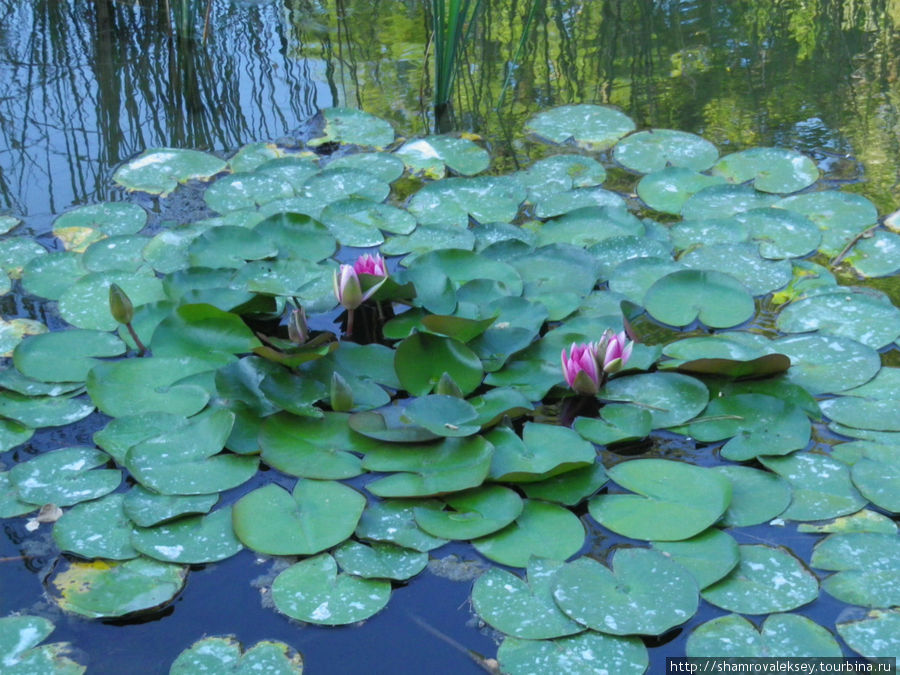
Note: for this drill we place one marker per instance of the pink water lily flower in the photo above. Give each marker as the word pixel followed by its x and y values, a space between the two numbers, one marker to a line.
pixel 616 350
pixel 580 368
pixel 370 264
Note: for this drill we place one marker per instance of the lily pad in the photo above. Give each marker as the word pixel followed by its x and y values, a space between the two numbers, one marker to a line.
pixel 146 508
pixel 43 411
pixel 422 359
pixel 122 433
pixel 559 173
pixel 877 475
pixel 13 434
pixel 38 357
pixel 160 170
pixel 780 233
pixel 96 529
pixel 839 215
pixel 359 222
pixel 824 364
pixel 443 415
pixel 379 560
pixel 716 299
pixel 524 610
pixel 585 654
pixel 655 149
pixel 674 500
pixel 64 477
pixel 347 125
pixel 12 332
pixel 756 496
pixel 103 589
pixel 864 413
pixel 820 485
pixel 385 166
pixel 709 556
pixel 670 398
pixel 867 566
pixel 876 256
pixel 646 593
pixel 393 520
pixel 569 488
pixel 543 530
pixel 193 540
pixel 668 189
pixel 20 654
pixel 724 201
pixel 577 199
pixel 543 451
pixel 429 155
pixel 313 591
pixel 471 514
pixel 742 261
pixel 781 636
pixel 486 199
pixel 316 516
pixel 766 580
pixel 86 303
pixel 17 252
pixel 770 169
pixel 223 655
pixel 589 126
pixel 48 276
pixel 876 635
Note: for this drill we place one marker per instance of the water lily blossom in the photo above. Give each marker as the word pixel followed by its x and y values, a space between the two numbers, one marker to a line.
pixel 348 288
pixel 580 368
pixel 616 350
pixel 370 264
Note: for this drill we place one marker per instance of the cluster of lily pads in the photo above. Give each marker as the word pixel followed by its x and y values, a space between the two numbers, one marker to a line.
pixel 445 404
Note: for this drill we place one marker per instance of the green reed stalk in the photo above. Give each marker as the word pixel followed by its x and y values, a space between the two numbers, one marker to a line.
pixel 452 22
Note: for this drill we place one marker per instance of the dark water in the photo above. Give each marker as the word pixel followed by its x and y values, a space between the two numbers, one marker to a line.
pixel 86 85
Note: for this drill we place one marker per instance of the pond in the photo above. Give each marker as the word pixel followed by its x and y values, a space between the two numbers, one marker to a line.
pixel 93 88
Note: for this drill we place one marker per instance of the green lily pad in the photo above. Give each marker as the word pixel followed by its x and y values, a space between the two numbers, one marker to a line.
pixel 876 256
pixel 770 169
pixel 633 278
pixel 716 299
pixel 385 166
pixel 724 201
pixel 781 636
pixel 709 556
pixel 122 433
pixel 422 359
pixel 137 386
pixel 588 126
pixel 120 253
pixel 497 402
pixel 20 654
pixel 64 477
pixel 111 218
pixel 247 191
pixel 17 252
pixel 542 529
pixel 443 415
pixel 857 315
pixel 560 173
pixel 569 488
pixel 96 529
pixel 861 521
pixel 755 424
pixel 250 156
pixel 187 460
pixel 43 411
pixel 877 474
pixel 223 655
pixel 524 610
pixel 821 486
pixel 839 215
pixel 585 654
pixel 228 246
pixel 655 149
pixel 670 398
pixel 312 448
pixel 86 303
pixel 393 521
pixel 867 566
pixel 423 470
pixel 12 332
pixel 766 580
pixel 48 276
pixel 864 413
pixel 824 364
pixel 758 275
pixel 146 508
pixel 316 516
pixel 379 560
pixel 543 451
pixel 577 199
pixel 13 434
pixel 313 591
pixel 471 514
pixel 359 222
pixel 102 589
pixel 347 125
pixel 646 593
pixel 876 635
pixel 780 233
pixel 486 199
pixel 192 540
pixel 199 330
pixel 160 170
pixel 38 357
pixel 711 231
pixel 674 500
pixel 429 155
pixel 7 223
pixel 756 496
pixel 668 189
pixel 431 237
pixel 589 225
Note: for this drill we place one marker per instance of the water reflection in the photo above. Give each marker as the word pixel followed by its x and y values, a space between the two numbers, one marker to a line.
pixel 89 84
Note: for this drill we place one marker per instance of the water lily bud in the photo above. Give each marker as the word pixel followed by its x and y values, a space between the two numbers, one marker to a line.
pixel 447 386
pixel 580 368
pixel 346 287
pixel 617 353
pixel 298 330
pixel 120 305
pixel 341 394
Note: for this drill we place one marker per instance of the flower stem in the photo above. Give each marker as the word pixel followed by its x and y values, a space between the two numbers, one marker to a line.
pixel 137 340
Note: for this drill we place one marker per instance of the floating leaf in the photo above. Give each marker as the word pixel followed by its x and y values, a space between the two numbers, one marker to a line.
pixel 709 556
pixel 386 167
pixel 824 364
pixel 674 500
pixel 780 233
pixel 559 173
pixel 716 299
pixel 543 451
pixel 316 516
pixel 21 655
pixel 443 415
pixel 668 189
pixel 569 488
pixel 781 636
pixel 313 591
pixel 192 540
pixel 876 635
pixel 543 530
pixel 346 125
pixel 379 560
pixel 222 655
pixel 770 169
pixel 12 332
pixel 839 215
pixel 160 170
pixel 655 149
pixel 867 566
pixel 487 199
pixel 472 514
pixel 724 201
pixel 742 261
pixel 756 496
pixel 670 398
pixel 147 509
pixel 429 155
pixel 86 302
pixel 575 200
pixel 583 654
pixel 17 252
pixel 589 126
pixel 645 593
pixel 524 610
pixel 43 411
pixel 12 434
pixel 48 276
pixel 39 356
pixel 96 529
pixel 422 359
pixel 64 477
pixel 876 256
pixel 766 580
pixel 393 520
pixel 821 486
pixel 102 589
pixel 861 521
pixel 864 413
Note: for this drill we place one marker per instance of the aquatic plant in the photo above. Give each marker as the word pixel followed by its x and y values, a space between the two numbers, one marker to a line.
pixel 444 421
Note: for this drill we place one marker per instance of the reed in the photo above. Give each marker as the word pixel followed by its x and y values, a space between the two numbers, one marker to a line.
pixel 452 22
